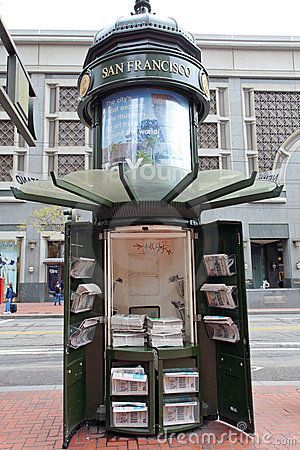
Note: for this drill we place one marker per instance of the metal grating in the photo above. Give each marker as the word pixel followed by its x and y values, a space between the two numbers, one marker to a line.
pixel 6 133
pixel 209 162
pixel 213 102
pixel 277 117
pixel 6 165
pixel 71 133
pixel 208 135
pixel 68 99
pixel 70 163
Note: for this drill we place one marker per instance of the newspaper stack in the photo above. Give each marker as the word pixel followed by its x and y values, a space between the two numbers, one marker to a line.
pixel 219 265
pixel 129 380
pixel 220 295
pixel 224 329
pixel 128 330
pixel 180 413
pixel 129 414
pixel 165 332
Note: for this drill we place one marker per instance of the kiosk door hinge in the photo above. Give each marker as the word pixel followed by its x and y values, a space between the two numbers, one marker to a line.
pixel 249 415
pixel 197 317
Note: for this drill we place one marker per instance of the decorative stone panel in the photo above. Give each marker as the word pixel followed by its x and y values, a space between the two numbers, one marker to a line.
pixel 6 165
pixel 213 102
pixel 208 135
pixel 68 99
pixel 277 117
pixel 71 133
pixel 209 162
pixel 7 133
pixel 70 163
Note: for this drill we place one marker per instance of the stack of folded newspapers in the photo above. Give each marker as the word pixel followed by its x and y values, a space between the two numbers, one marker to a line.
pixel 164 332
pixel 128 330
pixel 223 328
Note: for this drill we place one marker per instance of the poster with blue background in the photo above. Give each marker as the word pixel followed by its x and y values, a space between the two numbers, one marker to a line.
pixel 150 125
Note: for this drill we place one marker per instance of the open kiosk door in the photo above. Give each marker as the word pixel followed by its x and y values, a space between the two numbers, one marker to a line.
pixel 84 344
pixel 221 291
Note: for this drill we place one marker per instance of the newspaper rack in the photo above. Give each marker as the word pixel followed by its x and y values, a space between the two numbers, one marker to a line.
pixel 220 265
pixel 82 267
pixel 220 295
pixel 222 328
pixel 84 297
pixel 84 334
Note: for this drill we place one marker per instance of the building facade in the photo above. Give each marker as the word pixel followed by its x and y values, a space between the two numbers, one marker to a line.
pixel 253 125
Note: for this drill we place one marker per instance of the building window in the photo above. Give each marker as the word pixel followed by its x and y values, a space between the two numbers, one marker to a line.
pixel 209 162
pixel 55 249
pixel 6 166
pixel 70 163
pixel 208 135
pixel 213 135
pixel 68 99
pixel 277 116
pixel 69 141
pixel 7 133
pixel 71 133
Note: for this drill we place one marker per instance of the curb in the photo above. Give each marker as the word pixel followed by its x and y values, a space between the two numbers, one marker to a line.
pixel 31 316
pixel 273 311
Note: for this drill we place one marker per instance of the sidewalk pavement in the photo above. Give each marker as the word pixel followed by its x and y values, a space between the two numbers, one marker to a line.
pixel 31 419
pixel 47 309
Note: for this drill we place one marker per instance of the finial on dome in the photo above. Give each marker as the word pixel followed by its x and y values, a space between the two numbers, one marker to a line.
pixel 142 6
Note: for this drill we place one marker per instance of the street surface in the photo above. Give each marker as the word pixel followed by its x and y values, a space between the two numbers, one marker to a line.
pixel 275 347
pixel 31 350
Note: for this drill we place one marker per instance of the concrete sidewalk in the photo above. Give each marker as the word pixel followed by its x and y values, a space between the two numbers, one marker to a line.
pixel 31 418
pixel 47 309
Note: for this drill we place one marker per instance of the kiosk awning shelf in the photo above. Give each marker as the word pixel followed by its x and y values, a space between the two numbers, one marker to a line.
pixel 46 192
pixel 93 189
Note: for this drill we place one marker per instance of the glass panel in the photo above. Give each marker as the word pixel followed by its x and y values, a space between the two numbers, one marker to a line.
pixel 208 181
pixel 48 190
pixel 146 126
pixel 154 182
pixel 104 183
pixel 259 187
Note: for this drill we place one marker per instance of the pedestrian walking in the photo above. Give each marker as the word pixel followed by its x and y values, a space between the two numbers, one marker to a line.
pixel 57 294
pixel 10 295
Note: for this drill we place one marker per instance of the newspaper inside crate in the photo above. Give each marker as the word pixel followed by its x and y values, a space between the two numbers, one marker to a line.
pixel 180 413
pixel 129 414
pixel 129 381
pixel 82 267
pixel 181 381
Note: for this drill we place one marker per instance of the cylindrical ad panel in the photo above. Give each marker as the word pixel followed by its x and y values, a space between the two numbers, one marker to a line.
pixel 146 126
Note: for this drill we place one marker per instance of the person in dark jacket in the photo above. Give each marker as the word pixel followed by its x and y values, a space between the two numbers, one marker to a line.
pixel 57 294
pixel 9 298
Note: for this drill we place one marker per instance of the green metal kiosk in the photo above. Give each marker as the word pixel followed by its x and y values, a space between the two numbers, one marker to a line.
pixel 144 92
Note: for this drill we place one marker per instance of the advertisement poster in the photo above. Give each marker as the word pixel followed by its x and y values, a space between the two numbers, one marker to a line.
pixel 146 126
pixel 8 262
